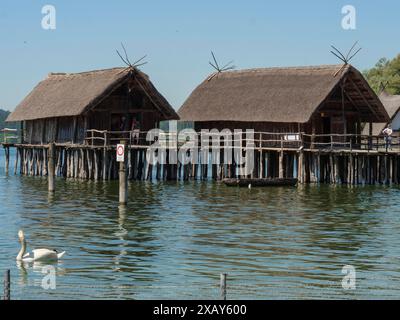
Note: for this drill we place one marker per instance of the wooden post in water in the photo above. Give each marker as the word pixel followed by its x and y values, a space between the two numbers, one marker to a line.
pixel 7 152
pixel 281 168
pixel 51 167
pixel 223 286
pixel 301 167
pixel 350 179
pixel 123 185
pixel 16 160
pixel 7 286
pixel 105 156
pixel 105 163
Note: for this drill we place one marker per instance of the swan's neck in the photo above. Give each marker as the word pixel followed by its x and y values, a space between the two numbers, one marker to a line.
pixel 22 251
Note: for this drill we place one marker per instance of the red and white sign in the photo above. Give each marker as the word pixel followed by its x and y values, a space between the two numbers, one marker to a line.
pixel 120 153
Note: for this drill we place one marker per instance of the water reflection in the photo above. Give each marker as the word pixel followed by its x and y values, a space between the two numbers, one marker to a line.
pixel 173 239
pixel 36 271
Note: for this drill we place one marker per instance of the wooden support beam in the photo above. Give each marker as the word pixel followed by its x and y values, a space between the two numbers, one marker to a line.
pixel 51 167
pixel 22 132
pixel 301 169
pixel 351 100
pixel 281 168
pixel 223 286
pixel 74 130
pixel 7 155
pixel 43 138
pixel 7 286
pixel 363 97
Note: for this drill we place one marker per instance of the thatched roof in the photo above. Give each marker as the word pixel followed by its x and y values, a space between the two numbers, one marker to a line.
pixel 392 106
pixel 72 94
pixel 276 95
pixel 391 103
pixel 377 128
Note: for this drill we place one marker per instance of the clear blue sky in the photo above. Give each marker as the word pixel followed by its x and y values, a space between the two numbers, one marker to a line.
pixel 177 36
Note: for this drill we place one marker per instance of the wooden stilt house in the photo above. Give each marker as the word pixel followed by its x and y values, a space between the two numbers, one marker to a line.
pixel 65 106
pixel 318 100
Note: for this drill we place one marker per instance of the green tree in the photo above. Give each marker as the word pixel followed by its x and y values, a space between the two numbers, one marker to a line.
pixel 385 71
pixel 3 116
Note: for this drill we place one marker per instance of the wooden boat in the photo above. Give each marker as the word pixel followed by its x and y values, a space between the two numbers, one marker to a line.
pixel 266 182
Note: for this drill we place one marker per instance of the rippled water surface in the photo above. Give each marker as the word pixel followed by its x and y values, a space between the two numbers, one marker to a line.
pixel 174 239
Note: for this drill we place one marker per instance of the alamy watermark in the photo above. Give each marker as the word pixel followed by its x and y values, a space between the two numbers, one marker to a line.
pixel 349 20
pixel 190 147
pixel 49 280
pixel 349 280
pixel 49 21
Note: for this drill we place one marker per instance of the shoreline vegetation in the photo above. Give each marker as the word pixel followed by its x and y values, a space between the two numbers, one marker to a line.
pixel 4 136
pixel 3 116
pixel 385 75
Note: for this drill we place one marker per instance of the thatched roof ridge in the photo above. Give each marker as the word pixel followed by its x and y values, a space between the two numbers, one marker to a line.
pixel 72 94
pixel 391 103
pixel 392 106
pixel 289 94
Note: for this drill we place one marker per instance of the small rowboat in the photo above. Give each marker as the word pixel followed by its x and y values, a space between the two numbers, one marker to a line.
pixel 266 182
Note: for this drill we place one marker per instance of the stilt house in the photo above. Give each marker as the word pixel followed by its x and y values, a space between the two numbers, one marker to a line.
pixel 317 100
pixel 64 106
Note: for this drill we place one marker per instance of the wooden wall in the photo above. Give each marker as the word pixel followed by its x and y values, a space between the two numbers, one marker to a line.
pixel 265 127
pixel 128 102
pixel 256 126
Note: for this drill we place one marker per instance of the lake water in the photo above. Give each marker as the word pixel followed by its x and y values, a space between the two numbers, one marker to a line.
pixel 174 239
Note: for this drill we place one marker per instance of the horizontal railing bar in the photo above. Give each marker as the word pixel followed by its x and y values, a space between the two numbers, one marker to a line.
pixel 259 140
pixel 243 132
pixel 95 138
pixel 8 130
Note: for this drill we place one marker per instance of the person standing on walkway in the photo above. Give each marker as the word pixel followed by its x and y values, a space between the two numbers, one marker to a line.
pixel 135 131
pixel 388 136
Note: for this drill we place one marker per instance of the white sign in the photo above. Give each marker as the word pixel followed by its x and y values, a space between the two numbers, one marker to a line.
pixel 120 153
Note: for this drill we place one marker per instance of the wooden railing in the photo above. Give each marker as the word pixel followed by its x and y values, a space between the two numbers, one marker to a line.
pixel 350 142
pixel 259 140
pixel 7 138
pixel 110 138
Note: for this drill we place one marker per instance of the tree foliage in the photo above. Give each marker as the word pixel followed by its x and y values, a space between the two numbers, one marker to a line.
pixel 3 116
pixel 386 72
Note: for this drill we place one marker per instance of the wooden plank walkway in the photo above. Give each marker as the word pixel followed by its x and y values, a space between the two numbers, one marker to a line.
pixel 335 162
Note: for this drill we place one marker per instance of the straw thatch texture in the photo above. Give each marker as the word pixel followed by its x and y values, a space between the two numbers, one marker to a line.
pixel 392 106
pixel 391 103
pixel 273 95
pixel 71 94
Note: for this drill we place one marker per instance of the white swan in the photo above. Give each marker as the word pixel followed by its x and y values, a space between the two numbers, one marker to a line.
pixel 38 254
